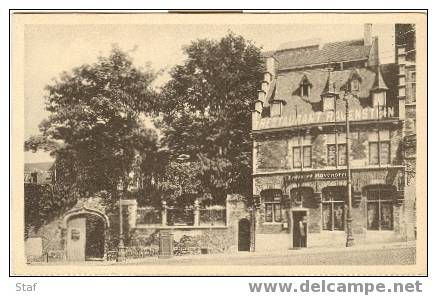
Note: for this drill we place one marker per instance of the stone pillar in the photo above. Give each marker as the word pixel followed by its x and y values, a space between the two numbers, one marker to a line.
pixel 256 113
pixel 196 213
pixel 235 211
pixel 164 213
pixel 131 205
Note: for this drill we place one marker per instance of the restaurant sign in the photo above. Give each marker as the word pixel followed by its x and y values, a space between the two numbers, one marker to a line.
pixel 329 117
pixel 312 176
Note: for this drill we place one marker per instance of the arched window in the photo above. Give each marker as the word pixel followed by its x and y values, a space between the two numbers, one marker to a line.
pixel 272 205
pixel 380 207
pixel 301 196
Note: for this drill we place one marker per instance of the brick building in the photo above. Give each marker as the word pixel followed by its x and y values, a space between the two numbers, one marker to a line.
pixel 299 145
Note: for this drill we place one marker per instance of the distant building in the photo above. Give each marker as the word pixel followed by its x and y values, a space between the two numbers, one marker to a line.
pixel 39 173
pixel 299 145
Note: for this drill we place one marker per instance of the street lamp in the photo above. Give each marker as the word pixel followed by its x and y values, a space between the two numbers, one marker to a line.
pixel 349 233
pixel 121 254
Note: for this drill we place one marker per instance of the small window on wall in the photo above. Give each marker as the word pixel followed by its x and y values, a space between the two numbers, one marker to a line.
pixel 273 212
pixel 307 155
pixel 379 152
pixel 380 208
pixel 333 157
pixel 355 85
pixel 272 204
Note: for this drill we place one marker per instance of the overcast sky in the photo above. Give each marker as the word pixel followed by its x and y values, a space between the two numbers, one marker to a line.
pixel 51 49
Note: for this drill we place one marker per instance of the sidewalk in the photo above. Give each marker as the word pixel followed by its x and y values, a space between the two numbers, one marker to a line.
pixel 285 253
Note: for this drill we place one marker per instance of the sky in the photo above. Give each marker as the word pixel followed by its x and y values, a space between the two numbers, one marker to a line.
pixel 52 49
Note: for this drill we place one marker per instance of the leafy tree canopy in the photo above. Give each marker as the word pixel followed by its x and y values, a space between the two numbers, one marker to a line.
pixel 96 128
pixel 205 110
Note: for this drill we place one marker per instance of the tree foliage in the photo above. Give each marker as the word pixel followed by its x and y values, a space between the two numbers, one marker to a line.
pixel 205 110
pixel 96 128
pixel 42 203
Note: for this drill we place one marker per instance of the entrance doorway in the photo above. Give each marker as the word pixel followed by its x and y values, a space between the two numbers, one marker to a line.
pixel 95 238
pixel 300 228
pixel 244 235
pixel 85 238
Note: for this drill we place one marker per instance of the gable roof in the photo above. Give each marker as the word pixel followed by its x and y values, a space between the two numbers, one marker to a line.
pixel 350 50
pixel 287 88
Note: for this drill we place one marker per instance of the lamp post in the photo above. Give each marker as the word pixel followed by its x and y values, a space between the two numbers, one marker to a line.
pixel 349 233
pixel 121 254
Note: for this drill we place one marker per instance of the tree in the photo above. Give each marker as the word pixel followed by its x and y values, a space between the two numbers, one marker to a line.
pixel 96 129
pixel 205 111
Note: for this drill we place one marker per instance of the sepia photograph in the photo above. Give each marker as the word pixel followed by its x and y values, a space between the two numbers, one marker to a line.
pixel 219 144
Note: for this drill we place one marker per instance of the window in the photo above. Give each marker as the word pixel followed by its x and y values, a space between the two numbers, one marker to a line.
pixel 380 209
pixel 306 157
pixel 413 92
pixel 333 212
pixel 276 109
pixel 296 157
pixel 272 202
pixel 333 157
pixel 378 99
pixel 328 103
pixel 342 154
pixel 355 85
pixel 305 87
pixel 34 177
pixel 273 212
pixel 379 152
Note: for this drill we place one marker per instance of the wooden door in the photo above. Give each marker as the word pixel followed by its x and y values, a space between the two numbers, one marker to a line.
pixel 76 239
pixel 244 235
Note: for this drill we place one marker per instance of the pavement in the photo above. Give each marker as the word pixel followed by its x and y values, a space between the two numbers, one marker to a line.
pixel 403 253
pixel 399 253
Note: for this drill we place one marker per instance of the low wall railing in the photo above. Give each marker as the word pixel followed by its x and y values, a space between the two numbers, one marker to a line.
pixel 179 217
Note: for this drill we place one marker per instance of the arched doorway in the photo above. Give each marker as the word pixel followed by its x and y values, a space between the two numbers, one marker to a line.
pixel 95 238
pixel 244 235
pixel 85 235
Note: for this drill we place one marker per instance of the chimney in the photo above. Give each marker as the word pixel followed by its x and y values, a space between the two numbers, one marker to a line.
pixel 367 34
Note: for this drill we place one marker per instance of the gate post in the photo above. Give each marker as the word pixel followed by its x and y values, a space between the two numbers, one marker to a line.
pixel 196 212
pixel 165 243
pixel 164 213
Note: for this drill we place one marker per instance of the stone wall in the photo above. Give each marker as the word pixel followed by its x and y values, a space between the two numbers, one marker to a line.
pixel 214 239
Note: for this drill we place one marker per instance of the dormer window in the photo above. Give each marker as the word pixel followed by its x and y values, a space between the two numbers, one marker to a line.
pixel 328 103
pixel 379 99
pixel 354 81
pixel 379 102
pixel 276 109
pixel 305 90
pixel 305 87
pixel 355 85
